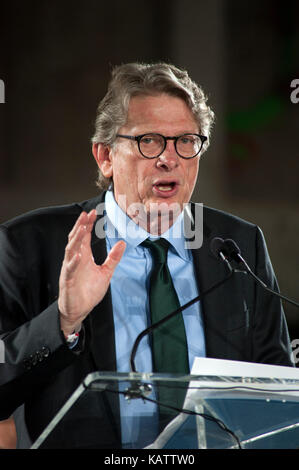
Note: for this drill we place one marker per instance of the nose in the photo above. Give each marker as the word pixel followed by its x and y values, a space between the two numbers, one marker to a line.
pixel 169 159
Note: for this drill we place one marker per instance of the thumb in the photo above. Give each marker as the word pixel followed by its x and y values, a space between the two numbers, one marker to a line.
pixel 113 258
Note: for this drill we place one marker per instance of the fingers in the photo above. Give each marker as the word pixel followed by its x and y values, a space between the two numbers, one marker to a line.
pixel 79 244
pixel 72 265
pixel 82 227
pixel 73 247
pixel 79 222
pixel 83 220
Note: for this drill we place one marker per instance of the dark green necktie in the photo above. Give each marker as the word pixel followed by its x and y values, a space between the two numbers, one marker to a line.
pixel 169 343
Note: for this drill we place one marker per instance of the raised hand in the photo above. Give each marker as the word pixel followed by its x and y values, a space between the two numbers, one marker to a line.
pixel 82 283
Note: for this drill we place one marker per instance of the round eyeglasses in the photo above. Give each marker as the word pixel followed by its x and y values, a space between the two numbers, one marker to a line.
pixel 153 145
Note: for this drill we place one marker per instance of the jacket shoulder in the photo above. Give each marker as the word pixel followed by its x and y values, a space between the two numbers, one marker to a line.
pixel 47 216
pixel 217 216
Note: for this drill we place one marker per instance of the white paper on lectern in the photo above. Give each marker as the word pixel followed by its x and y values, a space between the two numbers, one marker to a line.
pixel 277 379
pixel 222 367
pixel 210 367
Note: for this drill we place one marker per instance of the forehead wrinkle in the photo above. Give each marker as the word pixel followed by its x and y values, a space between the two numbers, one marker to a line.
pixel 150 119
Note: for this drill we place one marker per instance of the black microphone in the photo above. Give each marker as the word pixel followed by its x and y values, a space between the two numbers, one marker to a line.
pixel 233 253
pixel 218 248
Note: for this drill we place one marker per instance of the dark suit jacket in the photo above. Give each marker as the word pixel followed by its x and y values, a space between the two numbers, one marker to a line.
pixel 241 321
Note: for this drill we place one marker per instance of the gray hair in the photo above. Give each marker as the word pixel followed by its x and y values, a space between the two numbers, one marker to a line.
pixel 135 79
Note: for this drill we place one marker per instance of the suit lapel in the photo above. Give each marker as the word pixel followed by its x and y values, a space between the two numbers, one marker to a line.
pixel 220 309
pixel 102 324
pixel 101 318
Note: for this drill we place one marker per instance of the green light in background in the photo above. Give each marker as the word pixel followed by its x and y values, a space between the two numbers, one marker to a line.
pixel 258 117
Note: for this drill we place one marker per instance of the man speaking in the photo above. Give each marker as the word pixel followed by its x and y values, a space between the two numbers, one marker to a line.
pixel 79 282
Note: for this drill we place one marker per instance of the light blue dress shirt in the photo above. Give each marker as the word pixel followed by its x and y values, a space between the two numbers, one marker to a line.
pixel 129 290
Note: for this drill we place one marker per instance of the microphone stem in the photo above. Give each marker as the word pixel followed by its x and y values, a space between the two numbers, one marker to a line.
pixel 268 289
pixel 172 314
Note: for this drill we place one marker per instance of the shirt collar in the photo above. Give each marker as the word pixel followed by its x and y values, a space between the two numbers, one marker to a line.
pixel 120 226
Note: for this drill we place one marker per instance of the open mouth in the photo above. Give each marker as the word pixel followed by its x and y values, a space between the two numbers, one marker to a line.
pixel 165 188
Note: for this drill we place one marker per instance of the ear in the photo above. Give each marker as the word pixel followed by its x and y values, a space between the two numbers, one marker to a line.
pixel 103 157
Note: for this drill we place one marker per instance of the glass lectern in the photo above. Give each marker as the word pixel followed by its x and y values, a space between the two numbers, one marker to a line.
pixel 220 412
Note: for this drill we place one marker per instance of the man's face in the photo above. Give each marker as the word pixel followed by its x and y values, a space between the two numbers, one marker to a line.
pixel 164 181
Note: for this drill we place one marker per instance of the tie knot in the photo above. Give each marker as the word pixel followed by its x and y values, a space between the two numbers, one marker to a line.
pixel 158 248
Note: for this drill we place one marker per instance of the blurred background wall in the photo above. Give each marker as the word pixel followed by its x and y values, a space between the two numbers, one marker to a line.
pixel 55 60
